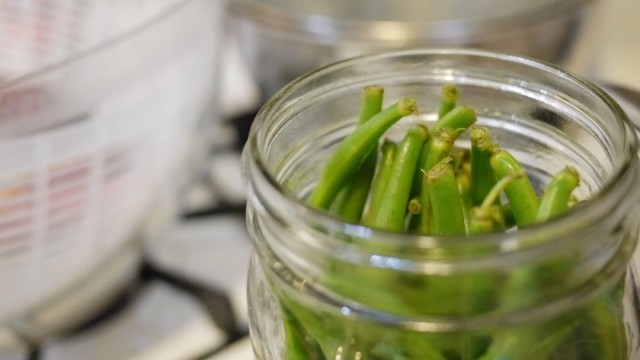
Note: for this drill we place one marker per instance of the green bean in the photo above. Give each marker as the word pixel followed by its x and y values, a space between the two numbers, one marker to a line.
pixel 350 153
pixel 386 351
pixel 298 346
pixel 351 201
pixel 314 331
pixel 353 197
pixel 448 217
pixel 294 345
pixel 460 117
pixel 455 293
pixel 393 209
pixel 501 185
pixel 557 195
pixel 371 103
pixel 380 180
pixel 520 192
pixel 535 342
pixel 507 215
pixel 405 347
pixel 605 330
pixel 440 145
pixel 456 120
pixel 482 176
pixel 449 99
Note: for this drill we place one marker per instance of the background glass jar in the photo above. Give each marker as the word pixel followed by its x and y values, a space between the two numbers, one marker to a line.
pixel 320 288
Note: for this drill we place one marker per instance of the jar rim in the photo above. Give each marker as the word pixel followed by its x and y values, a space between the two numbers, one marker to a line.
pixel 526 238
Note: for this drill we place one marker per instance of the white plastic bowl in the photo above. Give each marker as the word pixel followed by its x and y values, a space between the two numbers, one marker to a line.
pixel 100 102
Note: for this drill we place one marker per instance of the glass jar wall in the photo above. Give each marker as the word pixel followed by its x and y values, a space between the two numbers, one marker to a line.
pixel 322 288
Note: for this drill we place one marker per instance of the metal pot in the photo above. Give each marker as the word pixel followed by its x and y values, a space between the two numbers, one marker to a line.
pixel 282 39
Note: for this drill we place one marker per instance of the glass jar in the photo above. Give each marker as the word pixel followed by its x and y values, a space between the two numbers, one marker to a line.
pixel 321 288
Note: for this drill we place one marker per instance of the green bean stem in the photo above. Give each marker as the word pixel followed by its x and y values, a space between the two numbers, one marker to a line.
pixel 494 193
pixel 350 153
pixel 449 99
pixel 522 196
pixel 353 197
pixel 488 216
pixel 393 209
pixel 485 221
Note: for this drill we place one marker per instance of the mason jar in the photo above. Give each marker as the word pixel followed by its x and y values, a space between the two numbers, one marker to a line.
pixel 323 288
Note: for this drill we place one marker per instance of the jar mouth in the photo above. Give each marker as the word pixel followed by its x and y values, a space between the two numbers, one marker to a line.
pixel 597 206
pixel 394 22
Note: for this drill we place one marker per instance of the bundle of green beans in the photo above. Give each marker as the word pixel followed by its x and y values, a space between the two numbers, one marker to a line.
pixel 424 184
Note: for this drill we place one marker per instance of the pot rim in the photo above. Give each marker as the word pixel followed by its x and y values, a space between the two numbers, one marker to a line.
pixel 279 18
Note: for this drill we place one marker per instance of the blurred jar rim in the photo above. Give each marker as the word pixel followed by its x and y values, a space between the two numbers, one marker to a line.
pixel 404 19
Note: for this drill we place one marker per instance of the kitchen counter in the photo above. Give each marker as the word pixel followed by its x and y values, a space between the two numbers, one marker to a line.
pixel 619 53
